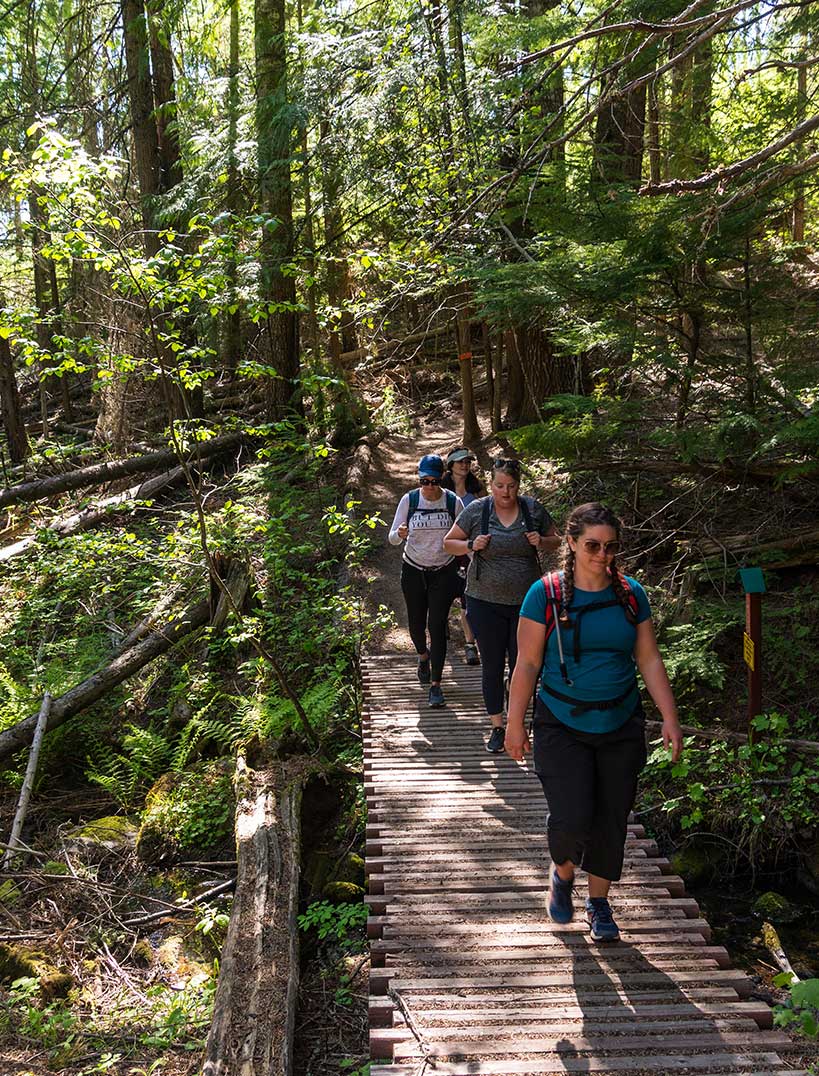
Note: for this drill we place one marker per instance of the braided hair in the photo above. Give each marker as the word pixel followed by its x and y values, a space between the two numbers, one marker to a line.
pixel 593 514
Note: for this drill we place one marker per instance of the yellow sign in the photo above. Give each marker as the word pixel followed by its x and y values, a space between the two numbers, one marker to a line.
pixel 748 650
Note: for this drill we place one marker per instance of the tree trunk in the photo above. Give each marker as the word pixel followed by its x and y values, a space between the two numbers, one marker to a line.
pixel 497 381
pixel 169 157
pixel 472 430
pixel 143 122
pixel 15 428
pixel 255 1006
pixel 691 326
pixel 232 327
pixel 515 385
pixel 798 217
pixel 273 129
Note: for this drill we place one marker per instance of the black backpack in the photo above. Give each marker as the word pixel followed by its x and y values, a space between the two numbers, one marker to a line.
pixel 528 523
pixel 415 500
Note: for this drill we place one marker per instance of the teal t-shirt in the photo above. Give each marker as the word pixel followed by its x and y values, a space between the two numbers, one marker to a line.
pixel 606 667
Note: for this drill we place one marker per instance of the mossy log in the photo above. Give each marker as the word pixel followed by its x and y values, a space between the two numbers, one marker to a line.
pixel 255 1006
pixel 109 470
pixel 18 962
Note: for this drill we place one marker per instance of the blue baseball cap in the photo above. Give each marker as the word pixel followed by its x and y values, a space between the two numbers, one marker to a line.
pixel 431 467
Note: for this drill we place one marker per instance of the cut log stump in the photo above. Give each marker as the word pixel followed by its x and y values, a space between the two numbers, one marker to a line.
pixel 255 1007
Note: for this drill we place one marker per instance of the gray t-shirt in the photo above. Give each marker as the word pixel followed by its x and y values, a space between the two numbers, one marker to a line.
pixel 505 570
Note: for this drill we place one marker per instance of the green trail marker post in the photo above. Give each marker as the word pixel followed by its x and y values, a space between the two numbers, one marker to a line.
pixel 753 583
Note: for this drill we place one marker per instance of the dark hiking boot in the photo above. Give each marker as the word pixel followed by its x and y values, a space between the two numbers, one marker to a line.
pixel 423 671
pixel 561 909
pixel 603 927
pixel 471 654
pixel 496 739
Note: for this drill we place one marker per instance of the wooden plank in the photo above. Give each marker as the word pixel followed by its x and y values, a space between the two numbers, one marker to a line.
pixel 704 1065
pixel 382 978
pixel 609 1044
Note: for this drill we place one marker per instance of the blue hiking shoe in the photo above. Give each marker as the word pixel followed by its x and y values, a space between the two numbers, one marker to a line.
pixel 436 696
pixel 603 927
pixel 561 909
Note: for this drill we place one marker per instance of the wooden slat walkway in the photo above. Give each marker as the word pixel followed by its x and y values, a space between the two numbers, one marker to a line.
pixel 468 973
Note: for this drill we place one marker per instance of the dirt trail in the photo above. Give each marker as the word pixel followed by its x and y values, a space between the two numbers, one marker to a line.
pixel 394 471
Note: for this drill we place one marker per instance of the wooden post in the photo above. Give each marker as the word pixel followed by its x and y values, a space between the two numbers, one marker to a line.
pixel 753 629
pixel 753 582
pixel 28 780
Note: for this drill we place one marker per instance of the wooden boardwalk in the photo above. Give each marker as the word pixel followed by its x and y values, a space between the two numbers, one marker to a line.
pixel 468 973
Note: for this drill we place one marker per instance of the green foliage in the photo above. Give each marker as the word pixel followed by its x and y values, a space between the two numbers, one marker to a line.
pixel 688 652
pixel 194 810
pixel 801 1010
pixel 576 428
pixel 341 923
pixel 50 1024
pixel 758 795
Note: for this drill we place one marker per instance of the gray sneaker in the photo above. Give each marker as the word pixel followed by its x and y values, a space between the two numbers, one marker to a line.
pixel 471 654
pixel 436 696
pixel 496 739
pixel 423 671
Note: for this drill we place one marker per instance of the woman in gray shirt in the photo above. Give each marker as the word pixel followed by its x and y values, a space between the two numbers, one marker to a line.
pixel 505 533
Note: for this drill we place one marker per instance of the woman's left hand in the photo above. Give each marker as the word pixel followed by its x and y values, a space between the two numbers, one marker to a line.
pixel 673 737
pixel 533 538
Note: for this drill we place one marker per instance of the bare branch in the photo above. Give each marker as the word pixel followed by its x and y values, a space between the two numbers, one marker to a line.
pixel 724 175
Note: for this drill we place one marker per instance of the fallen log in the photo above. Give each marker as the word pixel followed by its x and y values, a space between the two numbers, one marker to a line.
pixel 361 461
pixel 735 543
pixel 774 947
pixel 255 1006
pixel 96 474
pixel 95 513
pixel 108 677
pixel 390 346
pixel 807 747
pixel 671 468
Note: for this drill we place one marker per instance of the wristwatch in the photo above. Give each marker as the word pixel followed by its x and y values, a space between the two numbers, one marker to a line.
pixel 469 544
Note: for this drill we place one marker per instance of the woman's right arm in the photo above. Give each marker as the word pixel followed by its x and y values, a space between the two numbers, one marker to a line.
pixel 398 530
pixel 531 643
pixel 455 541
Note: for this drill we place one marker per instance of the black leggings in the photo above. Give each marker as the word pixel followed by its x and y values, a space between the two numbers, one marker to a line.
pixel 429 594
pixel 496 632
pixel 590 782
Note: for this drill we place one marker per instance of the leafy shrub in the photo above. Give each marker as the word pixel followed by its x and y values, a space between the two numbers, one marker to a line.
pixel 336 922
pixel 802 1007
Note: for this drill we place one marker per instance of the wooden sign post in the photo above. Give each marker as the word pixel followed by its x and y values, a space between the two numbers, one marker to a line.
pixel 753 583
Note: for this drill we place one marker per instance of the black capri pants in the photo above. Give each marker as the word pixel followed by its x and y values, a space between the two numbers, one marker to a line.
pixel 429 592
pixel 590 783
pixel 496 631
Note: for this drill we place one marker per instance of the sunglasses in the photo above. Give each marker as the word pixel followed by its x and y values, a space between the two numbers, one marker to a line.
pixel 429 481
pixel 513 465
pixel 593 546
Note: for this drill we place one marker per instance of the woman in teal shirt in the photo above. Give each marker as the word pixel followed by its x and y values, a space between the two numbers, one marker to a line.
pixel 585 631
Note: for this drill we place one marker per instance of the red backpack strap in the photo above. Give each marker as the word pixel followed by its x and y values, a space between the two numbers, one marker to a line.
pixel 546 579
pixel 632 597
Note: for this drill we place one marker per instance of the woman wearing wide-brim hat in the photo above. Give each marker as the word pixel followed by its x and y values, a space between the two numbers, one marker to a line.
pixel 429 575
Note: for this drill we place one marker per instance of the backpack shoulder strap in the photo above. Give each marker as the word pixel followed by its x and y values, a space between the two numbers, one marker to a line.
pixel 486 508
pixel 551 584
pixel 451 501
pixel 632 597
pixel 414 500
pixel 526 512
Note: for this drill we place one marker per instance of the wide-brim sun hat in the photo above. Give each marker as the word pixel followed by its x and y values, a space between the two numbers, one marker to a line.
pixel 458 454
pixel 431 466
